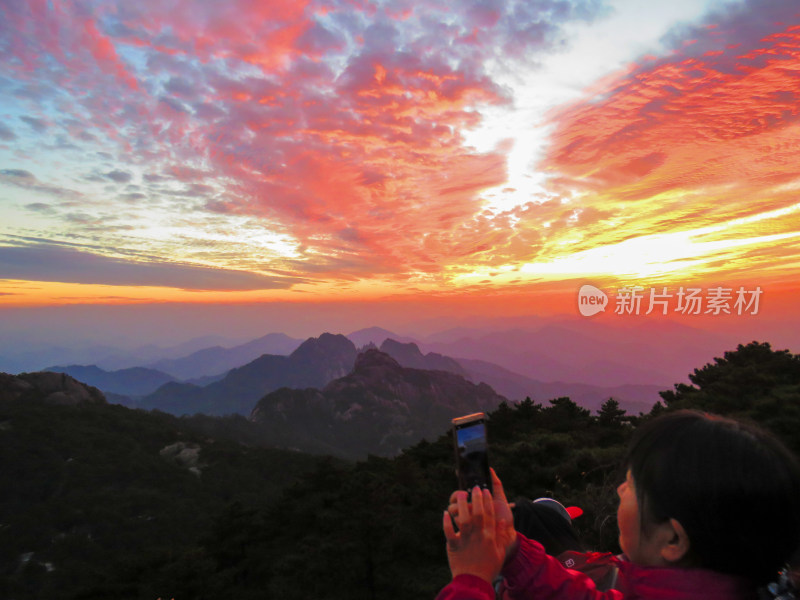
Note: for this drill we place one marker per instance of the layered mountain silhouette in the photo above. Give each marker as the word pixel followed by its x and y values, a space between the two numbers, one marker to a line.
pixel 374 336
pixel 586 351
pixel 634 398
pixel 218 360
pixel 379 408
pixel 409 355
pixel 317 361
pixel 198 369
pixel 32 356
pixel 587 360
pixel 314 363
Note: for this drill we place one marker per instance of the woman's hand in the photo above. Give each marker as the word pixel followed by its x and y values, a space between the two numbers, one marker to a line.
pixel 506 534
pixel 486 535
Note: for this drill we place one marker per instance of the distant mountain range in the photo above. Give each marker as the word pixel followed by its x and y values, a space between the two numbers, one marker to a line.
pixel 633 398
pixel 35 357
pixel 322 398
pixel 587 352
pixel 315 363
pixel 375 336
pixel 379 408
pixel 593 352
pixel 198 369
pixel 217 361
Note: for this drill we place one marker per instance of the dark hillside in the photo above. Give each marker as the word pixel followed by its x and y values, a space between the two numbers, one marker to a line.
pixel 97 499
pixel 47 388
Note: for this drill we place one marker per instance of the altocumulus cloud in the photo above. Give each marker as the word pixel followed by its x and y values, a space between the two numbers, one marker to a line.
pixel 119 176
pixel 6 133
pixel 27 180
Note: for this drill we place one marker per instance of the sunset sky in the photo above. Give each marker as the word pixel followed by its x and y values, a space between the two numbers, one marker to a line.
pixel 254 151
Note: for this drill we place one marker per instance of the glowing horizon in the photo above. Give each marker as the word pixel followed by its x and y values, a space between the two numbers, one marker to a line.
pixel 334 151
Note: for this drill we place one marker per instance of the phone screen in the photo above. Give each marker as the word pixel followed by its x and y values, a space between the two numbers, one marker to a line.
pixel 472 457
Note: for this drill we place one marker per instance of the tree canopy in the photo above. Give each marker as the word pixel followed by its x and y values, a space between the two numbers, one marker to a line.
pixel 753 382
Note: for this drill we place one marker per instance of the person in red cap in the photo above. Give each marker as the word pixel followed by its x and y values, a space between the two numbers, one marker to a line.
pixel 708 511
pixel 548 522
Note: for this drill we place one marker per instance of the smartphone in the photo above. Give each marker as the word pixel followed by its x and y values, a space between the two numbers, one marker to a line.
pixel 472 455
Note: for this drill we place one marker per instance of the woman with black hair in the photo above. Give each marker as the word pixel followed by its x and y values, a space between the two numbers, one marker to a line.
pixel 708 511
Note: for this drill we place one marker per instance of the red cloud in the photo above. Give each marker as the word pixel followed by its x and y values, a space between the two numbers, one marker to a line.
pixel 39 30
pixel 376 153
pixel 266 34
pixel 103 52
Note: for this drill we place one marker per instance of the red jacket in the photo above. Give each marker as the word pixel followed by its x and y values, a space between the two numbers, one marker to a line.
pixel 533 575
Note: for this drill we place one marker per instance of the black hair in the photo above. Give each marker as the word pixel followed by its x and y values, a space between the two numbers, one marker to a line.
pixel 733 487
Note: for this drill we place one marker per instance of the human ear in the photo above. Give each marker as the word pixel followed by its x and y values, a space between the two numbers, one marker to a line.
pixel 676 545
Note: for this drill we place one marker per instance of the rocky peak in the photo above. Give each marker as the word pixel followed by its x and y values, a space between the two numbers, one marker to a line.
pixel 375 359
pixel 49 388
pixel 403 352
pixel 409 355
pixel 325 346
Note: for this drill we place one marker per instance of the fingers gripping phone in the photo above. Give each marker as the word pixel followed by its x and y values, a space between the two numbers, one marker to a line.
pixel 471 448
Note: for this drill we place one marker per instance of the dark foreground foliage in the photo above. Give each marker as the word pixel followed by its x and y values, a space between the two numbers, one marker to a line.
pixel 90 509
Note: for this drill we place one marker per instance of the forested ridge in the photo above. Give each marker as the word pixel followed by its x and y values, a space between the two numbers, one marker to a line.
pixel 97 501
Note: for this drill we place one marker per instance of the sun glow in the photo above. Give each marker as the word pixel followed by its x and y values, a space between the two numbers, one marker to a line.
pixel 667 257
